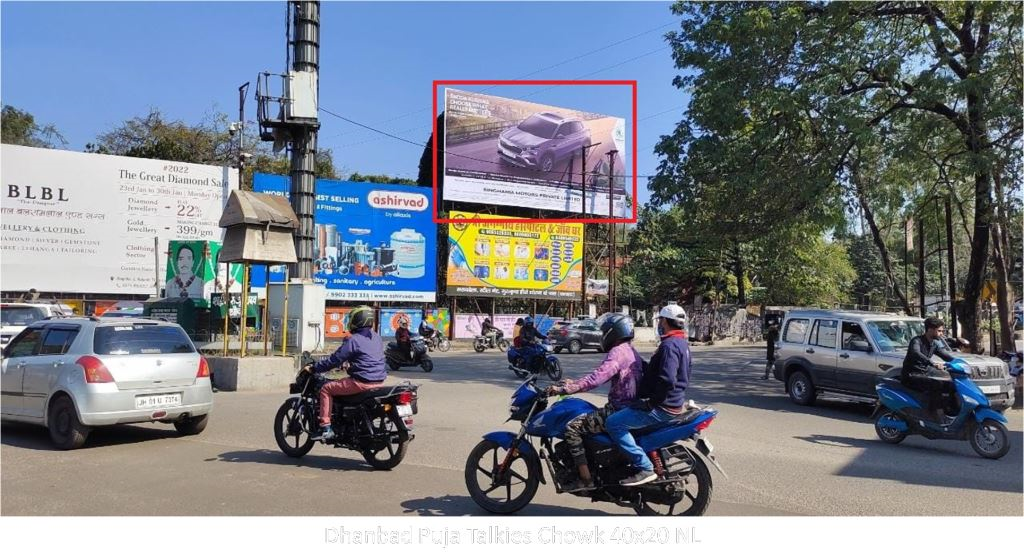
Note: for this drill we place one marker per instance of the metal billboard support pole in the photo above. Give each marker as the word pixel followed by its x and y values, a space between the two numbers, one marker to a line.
pixel 611 233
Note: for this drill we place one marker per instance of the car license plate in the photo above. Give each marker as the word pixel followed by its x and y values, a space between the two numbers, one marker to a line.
pixel 989 389
pixel 404 410
pixel 162 400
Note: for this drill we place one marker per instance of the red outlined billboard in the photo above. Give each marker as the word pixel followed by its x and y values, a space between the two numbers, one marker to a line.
pixel 510 152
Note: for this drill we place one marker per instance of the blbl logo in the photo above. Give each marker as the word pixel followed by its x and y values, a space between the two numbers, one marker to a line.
pixel 44 193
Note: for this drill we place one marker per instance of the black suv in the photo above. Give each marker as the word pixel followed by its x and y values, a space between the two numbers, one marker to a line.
pixel 575 335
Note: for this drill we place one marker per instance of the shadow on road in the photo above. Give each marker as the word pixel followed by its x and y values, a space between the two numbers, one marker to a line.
pixel 905 462
pixel 30 436
pixel 272 457
pixel 453 505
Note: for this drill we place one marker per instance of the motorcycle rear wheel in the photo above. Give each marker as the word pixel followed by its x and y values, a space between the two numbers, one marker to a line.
pixel 292 425
pixel 392 454
pixel 483 462
pixel 886 434
pixel 478 347
pixel 697 490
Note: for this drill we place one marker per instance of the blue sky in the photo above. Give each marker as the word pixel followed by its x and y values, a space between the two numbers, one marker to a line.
pixel 86 66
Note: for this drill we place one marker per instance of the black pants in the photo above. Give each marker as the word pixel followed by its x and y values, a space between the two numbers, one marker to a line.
pixel 935 383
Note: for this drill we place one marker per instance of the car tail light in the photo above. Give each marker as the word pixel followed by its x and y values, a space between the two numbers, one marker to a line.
pixel 204 368
pixel 705 424
pixel 405 397
pixel 95 371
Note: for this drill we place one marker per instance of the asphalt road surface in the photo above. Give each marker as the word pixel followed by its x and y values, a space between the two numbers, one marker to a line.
pixel 782 459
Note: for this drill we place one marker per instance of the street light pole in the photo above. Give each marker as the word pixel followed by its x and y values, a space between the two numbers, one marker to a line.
pixel 611 232
pixel 583 211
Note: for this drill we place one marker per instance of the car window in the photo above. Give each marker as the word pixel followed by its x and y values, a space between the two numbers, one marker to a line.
pixel 57 341
pixel 141 338
pixel 852 332
pixel 796 331
pixel 25 344
pixel 20 315
pixel 824 334
pixel 538 126
pixel 894 334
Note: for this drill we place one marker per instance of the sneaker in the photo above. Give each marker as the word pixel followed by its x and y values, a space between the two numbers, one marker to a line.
pixel 326 433
pixel 578 486
pixel 639 478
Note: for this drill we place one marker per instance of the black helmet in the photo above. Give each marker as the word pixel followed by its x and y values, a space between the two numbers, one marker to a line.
pixel 615 329
pixel 360 317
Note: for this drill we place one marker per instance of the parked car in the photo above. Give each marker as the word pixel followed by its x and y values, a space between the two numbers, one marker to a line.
pixel 843 352
pixel 575 335
pixel 542 140
pixel 14 317
pixel 72 374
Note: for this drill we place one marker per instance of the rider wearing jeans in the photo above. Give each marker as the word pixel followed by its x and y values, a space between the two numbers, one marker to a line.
pixel 662 393
pixel 622 366
pixel 364 352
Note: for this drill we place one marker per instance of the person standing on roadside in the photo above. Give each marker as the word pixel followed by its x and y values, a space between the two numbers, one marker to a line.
pixel 772 337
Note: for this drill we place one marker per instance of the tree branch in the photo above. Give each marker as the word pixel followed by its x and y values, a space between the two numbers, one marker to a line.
pixel 940 47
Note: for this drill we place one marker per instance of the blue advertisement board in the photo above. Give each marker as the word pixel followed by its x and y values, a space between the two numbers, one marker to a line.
pixel 372 242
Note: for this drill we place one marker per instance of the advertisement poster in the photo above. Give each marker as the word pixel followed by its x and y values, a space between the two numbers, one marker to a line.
pixel 373 242
pixel 192 272
pixel 510 152
pixel 337 321
pixel 514 259
pixel 336 318
pixel 467 325
pixel 390 317
pixel 86 223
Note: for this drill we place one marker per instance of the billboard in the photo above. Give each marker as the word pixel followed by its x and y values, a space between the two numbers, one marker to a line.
pixel 193 272
pixel 516 259
pixel 77 222
pixel 511 152
pixel 337 321
pixel 372 242
pixel 468 325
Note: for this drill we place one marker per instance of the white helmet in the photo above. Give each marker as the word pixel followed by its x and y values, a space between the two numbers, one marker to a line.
pixel 675 313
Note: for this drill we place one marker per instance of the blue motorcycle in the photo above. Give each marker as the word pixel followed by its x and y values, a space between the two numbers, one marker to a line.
pixel 504 470
pixel 534 359
pixel 900 412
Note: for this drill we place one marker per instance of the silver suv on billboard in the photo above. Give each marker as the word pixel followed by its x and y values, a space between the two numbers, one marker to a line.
pixel 542 140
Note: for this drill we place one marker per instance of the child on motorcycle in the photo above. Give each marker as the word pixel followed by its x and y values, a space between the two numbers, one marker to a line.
pixel 364 353
pixel 622 366
pixel 661 393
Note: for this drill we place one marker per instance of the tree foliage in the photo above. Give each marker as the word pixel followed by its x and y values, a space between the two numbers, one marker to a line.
pixel 20 128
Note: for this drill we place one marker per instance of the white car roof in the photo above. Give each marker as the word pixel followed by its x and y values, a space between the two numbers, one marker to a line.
pixel 849 315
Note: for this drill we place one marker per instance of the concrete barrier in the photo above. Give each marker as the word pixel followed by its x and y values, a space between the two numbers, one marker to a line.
pixel 253 374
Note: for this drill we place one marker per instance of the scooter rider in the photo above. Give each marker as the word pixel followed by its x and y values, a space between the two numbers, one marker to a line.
pixel 919 372
pixel 661 393
pixel 623 367
pixel 363 350
pixel 404 337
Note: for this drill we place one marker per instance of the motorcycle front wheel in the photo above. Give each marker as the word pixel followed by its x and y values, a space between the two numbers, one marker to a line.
pixel 554 368
pixel 427 365
pixel 503 345
pixel 292 425
pixel 502 493
pixel 695 495
pixel 444 345
pixel 395 445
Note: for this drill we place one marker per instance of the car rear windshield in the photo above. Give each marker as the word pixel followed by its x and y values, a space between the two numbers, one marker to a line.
pixel 893 335
pixel 538 126
pixel 20 315
pixel 141 338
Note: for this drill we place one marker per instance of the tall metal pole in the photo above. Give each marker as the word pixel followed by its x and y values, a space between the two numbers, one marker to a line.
pixel 245 309
pixel 920 266
pixel 306 56
pixel 611 233
pixel 951 259
pixel 583 211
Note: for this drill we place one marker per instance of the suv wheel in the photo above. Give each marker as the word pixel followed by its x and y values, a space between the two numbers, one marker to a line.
pixel 547 162
pixel 801 389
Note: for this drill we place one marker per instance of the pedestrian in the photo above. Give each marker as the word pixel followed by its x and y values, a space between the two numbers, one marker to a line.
pixel 771 337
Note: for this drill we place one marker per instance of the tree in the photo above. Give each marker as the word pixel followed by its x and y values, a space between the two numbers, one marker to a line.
pixel 20 128
pixel 380 179
pixel 791 89
pixel 871 284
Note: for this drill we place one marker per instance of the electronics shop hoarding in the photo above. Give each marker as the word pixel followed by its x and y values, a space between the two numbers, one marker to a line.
pixel 511 152
pixel 520 258
pixel 373 242
pixel 85 223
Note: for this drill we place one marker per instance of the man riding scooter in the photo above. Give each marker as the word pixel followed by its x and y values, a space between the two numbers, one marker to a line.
pixel 622 366
pixel 921 374
pixel 404 338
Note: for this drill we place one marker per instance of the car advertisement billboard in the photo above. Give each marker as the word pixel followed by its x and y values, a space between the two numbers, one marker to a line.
pixel 511 152
pixel 86 223
pixel 372 242
pixel 515 259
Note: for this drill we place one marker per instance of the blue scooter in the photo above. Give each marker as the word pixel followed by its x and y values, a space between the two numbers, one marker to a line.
pixel 504 470
pixel 900 412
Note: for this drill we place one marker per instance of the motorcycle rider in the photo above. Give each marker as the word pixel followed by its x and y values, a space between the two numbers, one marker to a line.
pixel 516 331
pixel 403 337
pixel 920 373
pixel 489 331
pixel 661 393
pixel 623 367
pixel 363 350
pixel 426 329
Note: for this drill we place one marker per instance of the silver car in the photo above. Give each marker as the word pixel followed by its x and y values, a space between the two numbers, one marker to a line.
pixel 75 373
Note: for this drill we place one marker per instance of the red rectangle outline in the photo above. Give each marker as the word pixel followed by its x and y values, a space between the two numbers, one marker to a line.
pixel 434 150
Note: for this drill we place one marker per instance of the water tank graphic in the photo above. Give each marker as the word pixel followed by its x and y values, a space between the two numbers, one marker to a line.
pixel 410 253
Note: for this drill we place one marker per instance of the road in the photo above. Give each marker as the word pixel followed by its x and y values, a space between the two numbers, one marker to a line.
pixel 781 459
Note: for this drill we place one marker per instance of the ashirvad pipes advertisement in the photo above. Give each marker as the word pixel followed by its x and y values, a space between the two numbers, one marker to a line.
pixel 511 152
pixel 373 242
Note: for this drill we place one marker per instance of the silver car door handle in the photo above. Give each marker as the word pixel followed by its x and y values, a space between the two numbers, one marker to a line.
pixel 58 363
pixel 845 355
pixel 884 367
pixel 809 350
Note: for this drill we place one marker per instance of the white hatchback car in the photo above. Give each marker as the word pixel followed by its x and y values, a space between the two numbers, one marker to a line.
pixel 75 373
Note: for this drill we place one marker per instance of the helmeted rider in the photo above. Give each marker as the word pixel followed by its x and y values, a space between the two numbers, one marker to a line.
pixel 661 394
pixel 426 329
pixel 403 337
pixel 623 367
pixel 489 331
pixel 363 350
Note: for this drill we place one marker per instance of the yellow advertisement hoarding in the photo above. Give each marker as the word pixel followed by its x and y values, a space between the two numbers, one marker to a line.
pixel 514 259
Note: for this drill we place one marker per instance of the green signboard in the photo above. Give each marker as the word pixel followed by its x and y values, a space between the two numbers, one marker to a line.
pixel 193 272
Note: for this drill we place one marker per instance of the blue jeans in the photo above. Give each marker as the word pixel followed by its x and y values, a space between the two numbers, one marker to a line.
pixel 620 423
